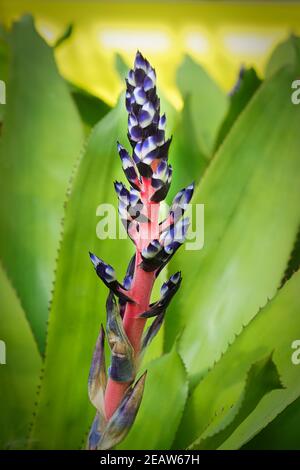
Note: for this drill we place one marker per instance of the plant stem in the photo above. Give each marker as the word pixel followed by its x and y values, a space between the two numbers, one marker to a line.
pixel 134 326
pixel 141 289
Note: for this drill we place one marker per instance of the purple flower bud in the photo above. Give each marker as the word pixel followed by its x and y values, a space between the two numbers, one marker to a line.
pixel 108 276
pixel 141 63
pixel 180 201
pixel 161 181
pixel 152 331
pixel 129 168
pixel 162 122
pixel 168 290
pixel 151 250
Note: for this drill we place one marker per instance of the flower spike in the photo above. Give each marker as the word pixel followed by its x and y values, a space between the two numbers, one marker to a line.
pixel 116 394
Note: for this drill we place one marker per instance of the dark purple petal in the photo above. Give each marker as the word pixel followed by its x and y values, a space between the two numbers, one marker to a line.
pixel 164 149
pixel 139 76
pixel 152 331
pixel 162 122
pixel 136 133
pixel 144 169
pixel 161 193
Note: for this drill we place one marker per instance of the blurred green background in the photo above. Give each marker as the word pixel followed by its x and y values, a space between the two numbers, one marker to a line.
pixel 220 371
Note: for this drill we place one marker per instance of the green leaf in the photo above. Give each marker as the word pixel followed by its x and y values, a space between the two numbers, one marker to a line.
pixel 286 53
pixel 274 329
pixel 91 108
pixel 42 136
pixel 208 103
pixel 280 434
pixel 250 192
pixel 185 147
pixel 261 379
pixel 162 405
pixel 121 67
pixel 19 376
pixel 294 261
pixel 247 84
pixel 64 413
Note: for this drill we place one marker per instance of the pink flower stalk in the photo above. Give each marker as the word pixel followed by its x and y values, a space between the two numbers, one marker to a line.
pixel 118 397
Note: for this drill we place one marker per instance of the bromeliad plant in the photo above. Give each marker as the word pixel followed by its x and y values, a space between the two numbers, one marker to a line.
pixel 118 397
pixel 250 190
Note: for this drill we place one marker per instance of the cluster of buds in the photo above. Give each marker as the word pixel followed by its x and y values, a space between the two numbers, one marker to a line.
pixel 116 394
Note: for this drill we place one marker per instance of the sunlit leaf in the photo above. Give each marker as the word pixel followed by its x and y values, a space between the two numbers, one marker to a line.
pixel 121 67
pixel 20 373
pixel 208 102
pixel 261 379
pixel 90 107
pixel 162 405
pixel 42 136
pixel 280 434
pixel 247 84
pixel 274 329
pixel 186 157
pixel 250 192
pixel 286 53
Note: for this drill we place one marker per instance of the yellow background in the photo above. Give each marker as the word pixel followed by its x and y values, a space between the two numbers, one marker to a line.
pixel 222 36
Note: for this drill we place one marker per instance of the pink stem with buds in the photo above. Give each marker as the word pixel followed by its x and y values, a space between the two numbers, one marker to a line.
pixel 140 291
